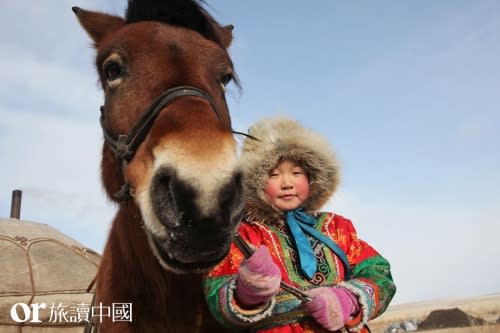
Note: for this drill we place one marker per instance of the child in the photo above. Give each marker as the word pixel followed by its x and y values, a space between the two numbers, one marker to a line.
pixel 290 173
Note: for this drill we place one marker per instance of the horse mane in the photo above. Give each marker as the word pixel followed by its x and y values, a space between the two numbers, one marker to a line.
pixel 185 13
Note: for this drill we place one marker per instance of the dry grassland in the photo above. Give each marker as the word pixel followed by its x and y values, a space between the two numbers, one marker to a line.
pixel 477 329
pixel 486 307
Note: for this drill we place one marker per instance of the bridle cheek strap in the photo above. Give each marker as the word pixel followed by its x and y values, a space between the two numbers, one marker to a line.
pixel 125 146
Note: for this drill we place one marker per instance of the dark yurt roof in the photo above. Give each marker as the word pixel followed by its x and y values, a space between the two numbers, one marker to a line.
pixel 39 264
pixel 449 318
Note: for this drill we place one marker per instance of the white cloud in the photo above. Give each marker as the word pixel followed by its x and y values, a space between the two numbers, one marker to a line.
pixel 56 86
pixel 56 162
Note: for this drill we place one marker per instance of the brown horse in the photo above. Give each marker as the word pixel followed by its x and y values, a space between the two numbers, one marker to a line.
pixel 169 160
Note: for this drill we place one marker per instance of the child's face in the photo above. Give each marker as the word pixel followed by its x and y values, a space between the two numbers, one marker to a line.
pixel 288 186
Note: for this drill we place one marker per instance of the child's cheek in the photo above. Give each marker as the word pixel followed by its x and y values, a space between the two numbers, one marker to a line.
pixel 303 187
pixel 270 189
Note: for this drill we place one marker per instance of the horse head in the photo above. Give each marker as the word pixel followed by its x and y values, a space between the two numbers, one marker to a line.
pixel 168 136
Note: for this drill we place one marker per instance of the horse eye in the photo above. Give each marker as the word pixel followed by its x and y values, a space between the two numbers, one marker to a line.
pixel 113 71
pixel 226 79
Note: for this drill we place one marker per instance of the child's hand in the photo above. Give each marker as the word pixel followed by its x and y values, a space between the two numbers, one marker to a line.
pixel 258 278
pixel 332 307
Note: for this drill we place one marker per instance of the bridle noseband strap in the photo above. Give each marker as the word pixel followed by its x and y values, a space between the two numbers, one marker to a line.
pixel 125 146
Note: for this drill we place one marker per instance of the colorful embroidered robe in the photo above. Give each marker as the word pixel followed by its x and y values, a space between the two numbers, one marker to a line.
pixel 370 279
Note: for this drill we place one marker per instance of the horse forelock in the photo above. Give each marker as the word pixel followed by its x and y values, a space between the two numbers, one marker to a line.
pixel 185 13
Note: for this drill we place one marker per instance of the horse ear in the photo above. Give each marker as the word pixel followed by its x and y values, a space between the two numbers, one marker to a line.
pixel 96 24
pixel 226 34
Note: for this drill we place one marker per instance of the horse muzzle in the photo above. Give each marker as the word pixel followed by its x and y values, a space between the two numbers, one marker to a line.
pixel 198 227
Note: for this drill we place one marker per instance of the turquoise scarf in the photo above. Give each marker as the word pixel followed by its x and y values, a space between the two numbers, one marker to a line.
pixel 301 223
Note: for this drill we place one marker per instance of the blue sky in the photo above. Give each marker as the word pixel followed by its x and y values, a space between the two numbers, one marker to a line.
pixel 406 91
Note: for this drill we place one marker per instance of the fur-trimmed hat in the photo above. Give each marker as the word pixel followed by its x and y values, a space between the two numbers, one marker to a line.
pixel 284 139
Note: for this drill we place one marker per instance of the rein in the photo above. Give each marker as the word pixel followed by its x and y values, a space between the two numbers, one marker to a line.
pixel 126 145
pixel 248 251
pixel 91 325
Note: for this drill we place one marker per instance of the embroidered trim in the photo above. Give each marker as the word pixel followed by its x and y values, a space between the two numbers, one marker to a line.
pixel 352 324
pixel 326 229
pixel 326 226
pixel 271 236
pixel 363 301
pixel 248 316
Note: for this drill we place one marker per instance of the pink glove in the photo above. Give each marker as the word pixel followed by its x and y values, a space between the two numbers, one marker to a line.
pixel 332 307
pixel 258 278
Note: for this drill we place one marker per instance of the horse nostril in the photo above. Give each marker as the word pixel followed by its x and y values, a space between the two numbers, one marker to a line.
pixel 176 204
pixel 163 199
pixel 173 200
pixel 160 188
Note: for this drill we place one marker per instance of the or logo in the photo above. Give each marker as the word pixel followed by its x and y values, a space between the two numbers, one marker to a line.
pixel 60 313
pixel 21 312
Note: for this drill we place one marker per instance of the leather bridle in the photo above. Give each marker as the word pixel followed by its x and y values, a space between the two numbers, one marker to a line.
pixel 126 145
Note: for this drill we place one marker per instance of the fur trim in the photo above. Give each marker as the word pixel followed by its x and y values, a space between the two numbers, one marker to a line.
pixel 283 138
